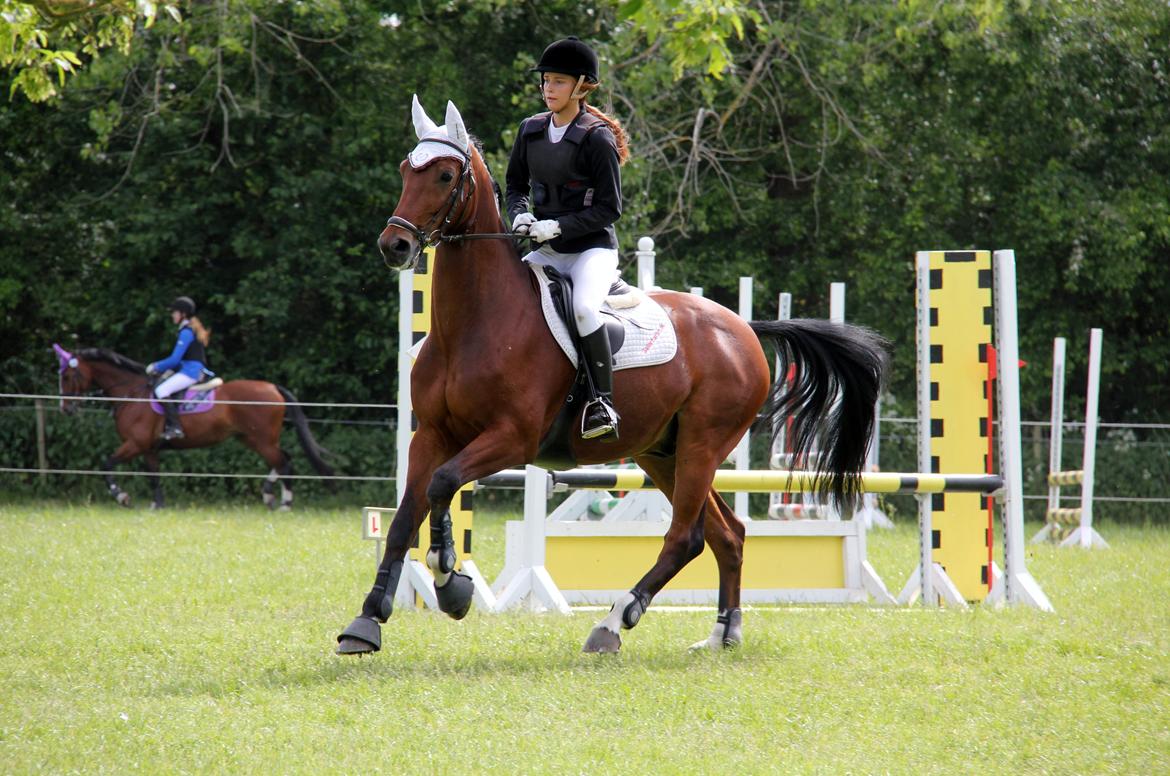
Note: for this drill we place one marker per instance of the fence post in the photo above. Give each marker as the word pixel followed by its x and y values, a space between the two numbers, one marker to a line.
pixel 645 257
pixel 42 457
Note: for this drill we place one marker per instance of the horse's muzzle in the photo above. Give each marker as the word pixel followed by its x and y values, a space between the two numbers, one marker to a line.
pixel 397 247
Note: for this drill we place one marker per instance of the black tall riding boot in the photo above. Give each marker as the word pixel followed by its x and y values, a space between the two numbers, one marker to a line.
pixel 171 427
pixel 599 419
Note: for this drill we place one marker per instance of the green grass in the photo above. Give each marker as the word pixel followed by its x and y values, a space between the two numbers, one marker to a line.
pixel 200 640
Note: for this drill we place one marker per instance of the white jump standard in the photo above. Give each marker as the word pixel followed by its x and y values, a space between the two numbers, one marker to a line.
pixel 1057 519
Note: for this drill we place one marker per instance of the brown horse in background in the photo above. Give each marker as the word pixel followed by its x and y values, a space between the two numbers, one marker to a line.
pixel 490 380
pixel 256 425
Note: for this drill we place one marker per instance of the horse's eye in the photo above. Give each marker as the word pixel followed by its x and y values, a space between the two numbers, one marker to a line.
pixel 447 176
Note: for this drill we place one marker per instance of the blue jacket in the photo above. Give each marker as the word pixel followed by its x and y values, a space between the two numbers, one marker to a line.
pixel 190 367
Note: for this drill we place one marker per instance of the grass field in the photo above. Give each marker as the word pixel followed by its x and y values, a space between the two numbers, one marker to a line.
pixel 200 640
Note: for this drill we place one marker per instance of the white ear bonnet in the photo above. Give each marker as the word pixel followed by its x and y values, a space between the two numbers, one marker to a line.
pixel 434 141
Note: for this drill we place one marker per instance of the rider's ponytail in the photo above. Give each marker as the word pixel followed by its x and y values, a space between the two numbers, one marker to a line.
pixel 202 333
pixel 619 132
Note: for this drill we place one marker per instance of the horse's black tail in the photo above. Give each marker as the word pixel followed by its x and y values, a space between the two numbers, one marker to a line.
pixel 315 451
pixel 830 399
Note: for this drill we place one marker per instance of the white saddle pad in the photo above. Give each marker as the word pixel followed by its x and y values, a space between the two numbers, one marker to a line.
pixel 650 337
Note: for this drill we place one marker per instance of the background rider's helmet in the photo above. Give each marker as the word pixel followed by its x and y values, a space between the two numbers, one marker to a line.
pixel 571 57
pixel 184 304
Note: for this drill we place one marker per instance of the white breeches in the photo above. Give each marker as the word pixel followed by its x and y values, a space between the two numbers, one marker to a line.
pixel 173 384
pixel 592 272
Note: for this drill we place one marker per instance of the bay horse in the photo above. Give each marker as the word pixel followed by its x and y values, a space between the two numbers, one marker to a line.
pixel 490 380
pixel 256 425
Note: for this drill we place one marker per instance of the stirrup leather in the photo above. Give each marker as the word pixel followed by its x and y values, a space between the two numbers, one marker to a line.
pixel 609 426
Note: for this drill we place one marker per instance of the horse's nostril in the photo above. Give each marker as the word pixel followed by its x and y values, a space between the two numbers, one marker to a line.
pixel 400 246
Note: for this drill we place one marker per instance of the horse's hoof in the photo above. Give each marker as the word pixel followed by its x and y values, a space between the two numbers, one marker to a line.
pixel 455 596
pixel 727 634
pixel 123 498
pixel 156 505
pixel 284 508
pixel 710 644
pixel 602 640
pixel 350 646
pixel 716 644
pixel 362 635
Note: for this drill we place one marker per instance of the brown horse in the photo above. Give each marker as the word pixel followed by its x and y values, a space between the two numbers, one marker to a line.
pixel 256 425
pixel 490 380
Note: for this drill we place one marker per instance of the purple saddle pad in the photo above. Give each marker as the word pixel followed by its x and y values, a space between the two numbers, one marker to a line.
pixel 193 402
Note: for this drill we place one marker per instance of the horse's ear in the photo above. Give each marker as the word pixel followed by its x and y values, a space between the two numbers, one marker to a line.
pixel 422 123
pixel 455 129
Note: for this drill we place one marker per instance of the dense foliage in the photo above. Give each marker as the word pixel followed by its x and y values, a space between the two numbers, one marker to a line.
pixel 245 152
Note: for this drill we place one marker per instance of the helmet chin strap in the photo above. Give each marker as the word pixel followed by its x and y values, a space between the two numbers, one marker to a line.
pixel 577 92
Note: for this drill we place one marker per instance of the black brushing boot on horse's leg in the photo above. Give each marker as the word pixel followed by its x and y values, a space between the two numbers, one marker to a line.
pixel 171 427
pixel 453 589
pixel 600 419
pixel 364 634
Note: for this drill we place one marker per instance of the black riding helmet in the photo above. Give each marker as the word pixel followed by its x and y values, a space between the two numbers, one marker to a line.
pixel 571 57
pixel 184 304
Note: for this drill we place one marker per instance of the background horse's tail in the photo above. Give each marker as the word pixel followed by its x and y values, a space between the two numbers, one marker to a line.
pixel 312 449
pixel 830 398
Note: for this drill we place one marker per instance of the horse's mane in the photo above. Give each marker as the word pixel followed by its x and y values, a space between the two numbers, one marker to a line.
pixel 497 192
pixel 110 357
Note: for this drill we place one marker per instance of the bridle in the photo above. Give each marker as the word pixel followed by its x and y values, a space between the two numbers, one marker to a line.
pixel 433 231
pixel 65 373
pixel 70 377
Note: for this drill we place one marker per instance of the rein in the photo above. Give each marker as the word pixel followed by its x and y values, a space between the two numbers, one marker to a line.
pixel 484 236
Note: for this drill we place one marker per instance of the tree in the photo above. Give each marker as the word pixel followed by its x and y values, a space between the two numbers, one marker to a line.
pixel 46 40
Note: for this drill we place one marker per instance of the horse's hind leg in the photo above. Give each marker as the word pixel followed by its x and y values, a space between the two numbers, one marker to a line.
pixel 683 542
pixel 267 489
pixel 286 490
pixel 279 466
pixel 725 533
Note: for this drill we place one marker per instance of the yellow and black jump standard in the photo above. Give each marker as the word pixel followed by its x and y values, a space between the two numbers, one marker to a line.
pixel 955 317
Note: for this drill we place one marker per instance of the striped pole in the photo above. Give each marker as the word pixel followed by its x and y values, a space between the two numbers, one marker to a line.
pixel 757 481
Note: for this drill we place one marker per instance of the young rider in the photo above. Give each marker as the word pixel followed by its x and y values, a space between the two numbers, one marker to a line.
pixel 188 359
pixel 565 165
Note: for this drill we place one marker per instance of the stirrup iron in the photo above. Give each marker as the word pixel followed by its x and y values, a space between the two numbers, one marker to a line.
pixel 609 427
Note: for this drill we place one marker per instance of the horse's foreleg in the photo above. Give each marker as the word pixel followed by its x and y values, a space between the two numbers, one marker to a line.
pixel 487 454
pixel 151 461
pixel 725 533
pixel 124 453
pixel 364 634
